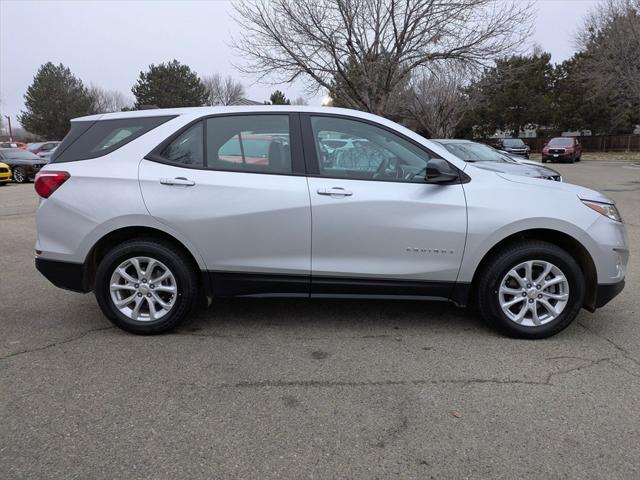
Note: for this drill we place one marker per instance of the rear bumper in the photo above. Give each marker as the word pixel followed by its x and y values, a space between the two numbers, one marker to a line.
pixel 605 293
pixel 67 275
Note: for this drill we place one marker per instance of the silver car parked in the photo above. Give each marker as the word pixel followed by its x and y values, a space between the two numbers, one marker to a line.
pixel 491 159
pixel 154 209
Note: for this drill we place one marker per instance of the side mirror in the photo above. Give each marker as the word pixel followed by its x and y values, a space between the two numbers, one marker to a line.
pixel 440 172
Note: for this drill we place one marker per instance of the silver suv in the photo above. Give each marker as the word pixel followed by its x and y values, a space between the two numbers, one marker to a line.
pixel 154 210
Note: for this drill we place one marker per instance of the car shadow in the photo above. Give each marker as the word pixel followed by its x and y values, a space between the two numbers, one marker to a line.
pixel 251 314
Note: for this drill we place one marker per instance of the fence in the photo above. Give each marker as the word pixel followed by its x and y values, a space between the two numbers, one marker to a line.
pixel 597 143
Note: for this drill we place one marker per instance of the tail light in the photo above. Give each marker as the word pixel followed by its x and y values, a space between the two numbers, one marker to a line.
pixel 48 182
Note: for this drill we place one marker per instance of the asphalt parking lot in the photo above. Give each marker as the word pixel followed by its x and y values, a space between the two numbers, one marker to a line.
pixel 314 389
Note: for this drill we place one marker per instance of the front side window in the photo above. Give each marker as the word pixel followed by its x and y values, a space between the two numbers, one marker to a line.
pixel 249 143
pixel 187 148
pixel 353 149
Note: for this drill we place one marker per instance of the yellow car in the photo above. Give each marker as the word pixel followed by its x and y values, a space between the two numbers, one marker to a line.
pixel 5 173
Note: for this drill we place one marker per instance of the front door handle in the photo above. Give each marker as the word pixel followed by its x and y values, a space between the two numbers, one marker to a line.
pixel 335 192
pixel 181 181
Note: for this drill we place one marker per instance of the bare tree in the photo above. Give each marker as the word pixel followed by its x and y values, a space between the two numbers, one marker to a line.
pixel 372 47
pixel 437 101
pixel 610 41
pixel 222 91
pixel 299 101
pixel 105 101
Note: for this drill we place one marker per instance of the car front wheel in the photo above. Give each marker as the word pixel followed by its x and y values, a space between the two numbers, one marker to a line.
pixel 145 286
pixel 20 175
pixel 531 289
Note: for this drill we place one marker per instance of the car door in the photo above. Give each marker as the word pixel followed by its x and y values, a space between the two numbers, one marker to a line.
pixel 377 226
pixel 240 197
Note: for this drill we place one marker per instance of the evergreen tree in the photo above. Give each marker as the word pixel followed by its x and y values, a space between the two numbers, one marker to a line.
pixel 170 84
pixel 52 100
pixel 278 98
pixel 515 94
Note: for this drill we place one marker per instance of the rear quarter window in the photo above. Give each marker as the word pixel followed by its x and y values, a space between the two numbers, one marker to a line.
pixel 94 139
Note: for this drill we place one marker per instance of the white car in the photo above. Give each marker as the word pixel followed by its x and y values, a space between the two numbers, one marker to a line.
pixel 47 154
pixel 154 209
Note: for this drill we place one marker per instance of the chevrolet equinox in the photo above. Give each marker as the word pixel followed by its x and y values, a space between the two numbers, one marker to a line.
pixel 155 210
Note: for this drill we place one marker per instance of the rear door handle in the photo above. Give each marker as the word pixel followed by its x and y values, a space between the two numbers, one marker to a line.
pixel 181 181
pixel 335 192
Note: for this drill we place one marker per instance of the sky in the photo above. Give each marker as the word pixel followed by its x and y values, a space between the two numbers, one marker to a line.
pixel 108 42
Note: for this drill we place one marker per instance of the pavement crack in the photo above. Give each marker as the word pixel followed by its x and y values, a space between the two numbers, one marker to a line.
pixel 548 381
pixel 588 364
pixel 625 369
pixel 369 383
pixel 56 344
pixel 624 352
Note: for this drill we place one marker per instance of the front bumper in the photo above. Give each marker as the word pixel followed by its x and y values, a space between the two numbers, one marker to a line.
pixel 605 293
pixel 561 156
pixel 66 275
pixel 519 153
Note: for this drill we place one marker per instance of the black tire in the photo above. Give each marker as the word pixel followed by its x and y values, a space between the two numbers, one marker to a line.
pixel 20 175
pixel 579 158
pixel 172 257
pixel 544 160
pixel 572 159
pixel 490 280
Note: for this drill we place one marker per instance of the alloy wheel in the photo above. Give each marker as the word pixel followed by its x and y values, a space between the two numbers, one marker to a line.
pixel 18 175
pixel 143 289
pixel 533 293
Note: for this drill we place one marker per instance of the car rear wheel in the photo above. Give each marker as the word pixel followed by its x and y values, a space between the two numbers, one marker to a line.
pixel 146 287
pixel 531 289
pixel 20 175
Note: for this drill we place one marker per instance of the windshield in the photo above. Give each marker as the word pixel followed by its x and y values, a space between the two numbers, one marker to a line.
pixel 513 142
pixel 20 154
pixel 475 152
pixel 561 142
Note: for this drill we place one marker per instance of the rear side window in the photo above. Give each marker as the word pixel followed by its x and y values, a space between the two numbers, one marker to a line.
pixel 249 143
pixel 187 148
pixel 97 138
pixel 235 143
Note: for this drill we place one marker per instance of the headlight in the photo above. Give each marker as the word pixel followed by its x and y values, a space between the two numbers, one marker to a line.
pixel 607 209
